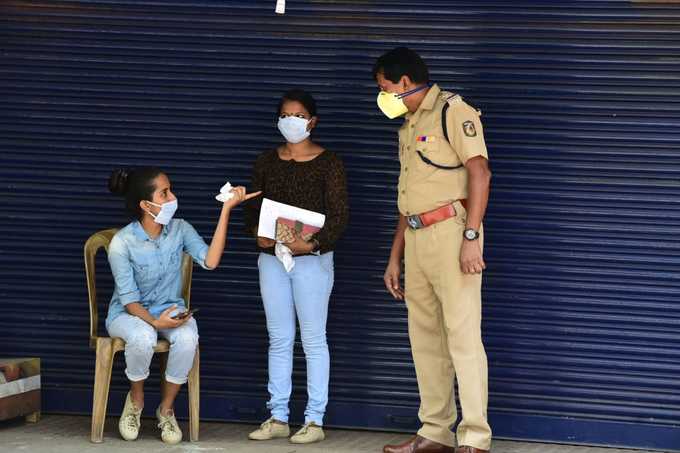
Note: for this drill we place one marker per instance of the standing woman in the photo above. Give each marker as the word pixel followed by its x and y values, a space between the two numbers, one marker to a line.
pixel 146 259
pixel 303 174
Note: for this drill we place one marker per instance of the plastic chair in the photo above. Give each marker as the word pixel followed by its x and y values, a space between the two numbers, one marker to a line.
pixel 107 347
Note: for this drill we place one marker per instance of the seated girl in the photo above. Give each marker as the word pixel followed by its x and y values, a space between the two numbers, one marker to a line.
pixel 146 259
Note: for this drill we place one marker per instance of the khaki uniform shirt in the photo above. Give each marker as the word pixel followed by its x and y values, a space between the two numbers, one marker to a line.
pixel 423 187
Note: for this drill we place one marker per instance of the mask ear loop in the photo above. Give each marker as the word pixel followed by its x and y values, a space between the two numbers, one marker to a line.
pixel 415 90
pixel 153 204
pixel 309 124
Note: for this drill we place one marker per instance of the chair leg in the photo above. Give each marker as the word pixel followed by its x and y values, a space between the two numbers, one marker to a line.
pixel 194 397
pixel 163 365
pixel 102 380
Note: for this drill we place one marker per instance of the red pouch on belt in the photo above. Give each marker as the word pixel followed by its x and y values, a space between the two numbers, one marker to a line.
pixel 437 215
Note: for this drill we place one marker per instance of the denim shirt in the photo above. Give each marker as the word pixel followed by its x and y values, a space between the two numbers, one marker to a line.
pixel 148 270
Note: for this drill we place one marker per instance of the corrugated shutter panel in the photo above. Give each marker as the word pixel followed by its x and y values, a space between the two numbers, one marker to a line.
pixel 580 102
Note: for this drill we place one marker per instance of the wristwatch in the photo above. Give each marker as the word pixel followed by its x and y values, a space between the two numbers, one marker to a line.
pixel 471 234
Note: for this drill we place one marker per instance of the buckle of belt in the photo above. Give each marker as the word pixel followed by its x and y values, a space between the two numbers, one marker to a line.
pixel 414 222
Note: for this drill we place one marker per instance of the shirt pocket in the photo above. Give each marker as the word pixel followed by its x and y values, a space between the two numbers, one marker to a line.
pixel 147 270
pixel 437 152
pixel 174 260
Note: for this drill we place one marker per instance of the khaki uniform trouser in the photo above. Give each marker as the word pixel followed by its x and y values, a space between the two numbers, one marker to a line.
pixel 444 320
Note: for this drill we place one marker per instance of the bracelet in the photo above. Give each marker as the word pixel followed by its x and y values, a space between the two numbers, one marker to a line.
pixel 316 245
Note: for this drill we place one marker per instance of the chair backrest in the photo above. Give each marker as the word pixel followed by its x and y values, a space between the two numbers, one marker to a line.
pixel 103 239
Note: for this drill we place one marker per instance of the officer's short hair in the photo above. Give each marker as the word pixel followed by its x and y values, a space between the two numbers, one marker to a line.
pixel 399 62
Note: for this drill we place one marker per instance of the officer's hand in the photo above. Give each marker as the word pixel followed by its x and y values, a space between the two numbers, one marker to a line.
pixel 471 261
pixel 391 278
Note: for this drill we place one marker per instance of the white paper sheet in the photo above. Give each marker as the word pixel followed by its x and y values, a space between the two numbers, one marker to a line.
pixel 272 210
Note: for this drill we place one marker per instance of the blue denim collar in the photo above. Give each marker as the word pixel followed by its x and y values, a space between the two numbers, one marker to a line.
pixel 142 235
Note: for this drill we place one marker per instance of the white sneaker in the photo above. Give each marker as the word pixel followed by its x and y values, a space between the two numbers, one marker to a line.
pixel 170 432
pixel 271 429
pixel 308 434
pixel 129 423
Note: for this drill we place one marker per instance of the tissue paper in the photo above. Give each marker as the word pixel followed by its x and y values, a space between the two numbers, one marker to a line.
pixel 225 193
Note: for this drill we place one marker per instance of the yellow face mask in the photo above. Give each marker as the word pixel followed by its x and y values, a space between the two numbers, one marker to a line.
pixel 392 104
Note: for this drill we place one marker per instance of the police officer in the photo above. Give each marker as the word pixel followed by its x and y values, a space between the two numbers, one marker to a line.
pixel 442 196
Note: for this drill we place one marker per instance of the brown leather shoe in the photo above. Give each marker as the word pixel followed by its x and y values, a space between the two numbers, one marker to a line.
pixel 465 449
pixel 418 444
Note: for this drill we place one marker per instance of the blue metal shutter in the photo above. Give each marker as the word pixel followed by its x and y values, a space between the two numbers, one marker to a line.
pixel 580 102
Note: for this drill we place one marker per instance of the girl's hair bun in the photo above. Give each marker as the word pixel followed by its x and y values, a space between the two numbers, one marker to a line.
pixel 118 181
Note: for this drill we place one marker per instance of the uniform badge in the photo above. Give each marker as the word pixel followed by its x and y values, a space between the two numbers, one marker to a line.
pixel 469 129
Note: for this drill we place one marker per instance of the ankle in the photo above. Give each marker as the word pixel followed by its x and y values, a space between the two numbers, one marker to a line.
pixel 137 400
pixel 166 411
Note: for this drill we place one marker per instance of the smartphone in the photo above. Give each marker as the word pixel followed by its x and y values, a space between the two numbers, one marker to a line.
pixel 185 314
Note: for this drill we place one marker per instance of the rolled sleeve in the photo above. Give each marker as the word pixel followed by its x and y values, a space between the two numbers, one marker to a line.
pixel 194 245
pixel 123 274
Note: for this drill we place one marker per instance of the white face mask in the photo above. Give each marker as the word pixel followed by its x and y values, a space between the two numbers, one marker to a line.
pixel 167 211
pixel 293 129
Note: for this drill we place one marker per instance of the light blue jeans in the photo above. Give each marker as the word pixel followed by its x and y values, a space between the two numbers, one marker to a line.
pixel 140 339
pixel 303 292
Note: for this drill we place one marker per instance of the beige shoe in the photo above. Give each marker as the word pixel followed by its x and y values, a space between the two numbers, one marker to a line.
pixel 271 429
pixel 170 432
pixel 308 434
pixel 129 423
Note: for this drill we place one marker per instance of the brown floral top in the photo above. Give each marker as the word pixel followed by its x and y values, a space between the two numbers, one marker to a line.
pixel 318 185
